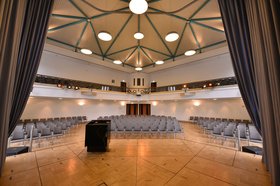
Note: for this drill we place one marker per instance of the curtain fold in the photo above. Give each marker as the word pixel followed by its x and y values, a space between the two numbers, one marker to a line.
pixel 22 36
pixel 252 30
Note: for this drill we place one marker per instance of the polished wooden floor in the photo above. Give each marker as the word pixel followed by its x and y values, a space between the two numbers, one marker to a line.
pixel 194 161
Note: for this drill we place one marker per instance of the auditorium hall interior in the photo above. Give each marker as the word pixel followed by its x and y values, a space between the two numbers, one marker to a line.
pixel 139 92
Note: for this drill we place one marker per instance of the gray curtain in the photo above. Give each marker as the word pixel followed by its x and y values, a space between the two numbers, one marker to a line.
pixel 23 30
pixel 253 34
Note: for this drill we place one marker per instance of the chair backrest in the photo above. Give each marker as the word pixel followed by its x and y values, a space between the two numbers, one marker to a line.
pixel 254 134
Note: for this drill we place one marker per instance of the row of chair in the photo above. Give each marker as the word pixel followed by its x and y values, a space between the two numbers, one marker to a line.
pixel 230 130
pixel 144 124
pixel 42 129
pixel 196 118
pixel 79 118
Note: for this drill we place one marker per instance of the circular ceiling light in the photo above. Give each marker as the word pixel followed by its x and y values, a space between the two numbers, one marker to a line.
pixel 138 6
pixel 117 62
pixel 172 36
pixel 104 36
pixel 138 35
pixel 190 52
pixel 86 51
pixel 138 68
pixel 159 62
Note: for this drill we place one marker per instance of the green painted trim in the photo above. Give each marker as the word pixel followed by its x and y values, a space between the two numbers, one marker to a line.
pixel 153 1
pixel 150 21
pixel 153 50
pixel 121 50
pixel 208 27
pixel 96 38
pixel 78 8
pixel 82 33
pixel 199 8
pixel 194 35
pixel 67 16
pixel 138 58
pixel 181 37
pixel 169 14
pixel 213 44
pixel 207 19
pixel 145 53
pixel 118 34
pixel 66 25
pixel 61 42
pixel 130 54
pixel 138 23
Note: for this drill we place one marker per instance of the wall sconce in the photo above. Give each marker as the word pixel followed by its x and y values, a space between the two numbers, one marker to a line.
pixel 196 103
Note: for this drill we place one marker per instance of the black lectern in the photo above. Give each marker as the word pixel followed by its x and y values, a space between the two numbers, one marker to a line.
pixel 97 135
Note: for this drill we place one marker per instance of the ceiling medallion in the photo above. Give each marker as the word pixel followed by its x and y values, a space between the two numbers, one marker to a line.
pixel 104 36
pixel 138 69
pixel 117 62
pixel 190 52
pixel 159 62
pixel 171 36
pixel 86 51
pixel 138 35
pixel 138 6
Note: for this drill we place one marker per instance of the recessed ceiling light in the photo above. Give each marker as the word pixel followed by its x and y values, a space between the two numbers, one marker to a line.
pixel 138 6
pixel 138 35
pixel 86 51
pixel 138 68
pixel 190 52
pixel 117 62
pixel 172 36
pixel 159 62
pixel 104 36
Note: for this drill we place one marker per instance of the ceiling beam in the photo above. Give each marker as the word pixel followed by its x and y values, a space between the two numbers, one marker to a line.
pixel 118 34
pixel 207 19
pixel 66 25
pixel 153 50
pixel 96 38
pixel 199 8
pixel 169 14
pixel 130 55
pixel 181 37
pixel 194 35
pixel 67 16
pixel 123 50
pixel 155 29
pixel 208 27
pixel 78 8
pixel 145 53
pixel 81 35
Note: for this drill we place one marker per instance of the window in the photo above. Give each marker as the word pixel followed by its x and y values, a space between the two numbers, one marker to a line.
pixel 142 81
pixel 133 81
pixel 138 82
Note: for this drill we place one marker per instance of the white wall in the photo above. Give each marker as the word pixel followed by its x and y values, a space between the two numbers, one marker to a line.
pixel 66 67
pixel 142 76
pixel 220 108
pixel 54 107
pixel 211 68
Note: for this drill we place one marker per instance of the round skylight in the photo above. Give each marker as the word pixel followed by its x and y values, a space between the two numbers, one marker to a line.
pixel 86 51
pixel 138 6
pixel 138 69
pixel 190 52
pixel 172 36
pixel 159 62
pixel 104 36
pixel 117 62
pixel 138 35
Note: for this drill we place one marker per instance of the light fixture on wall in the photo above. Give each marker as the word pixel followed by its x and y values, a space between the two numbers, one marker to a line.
pixel 117 62
pixel 196 103
pixel 138 69
pixel 104 36
pixel 190 52
pixel 159 62
pixel 81 102
pixel 154 103
pixel 122 103
pixel 138 6
pixel 86 51
pixel 138 35
pixel 171 36
pixel 76 88
pixel 69 86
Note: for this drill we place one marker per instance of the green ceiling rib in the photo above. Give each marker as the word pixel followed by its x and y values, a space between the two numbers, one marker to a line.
pixel 213 44
pixel 138 23
pixel 208 27
pixel 82 33
pixel 199 8
pixel 118 34
pixel 78 8
pixel 153 1
pixel 194 35
pixel 169 14
pixel 130 54
pixel 153 50
pixel 121 50
pixel 145 53
pixel 67 16
pixel 96 38
pixel 66 25
pixel 207 19
pixel 181 37
pixel 150 21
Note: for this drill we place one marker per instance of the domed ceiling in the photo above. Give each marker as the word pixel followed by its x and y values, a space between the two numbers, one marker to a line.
pixel 75 25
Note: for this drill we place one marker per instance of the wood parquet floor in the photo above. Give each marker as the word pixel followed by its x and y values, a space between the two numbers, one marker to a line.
pixel 193 161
